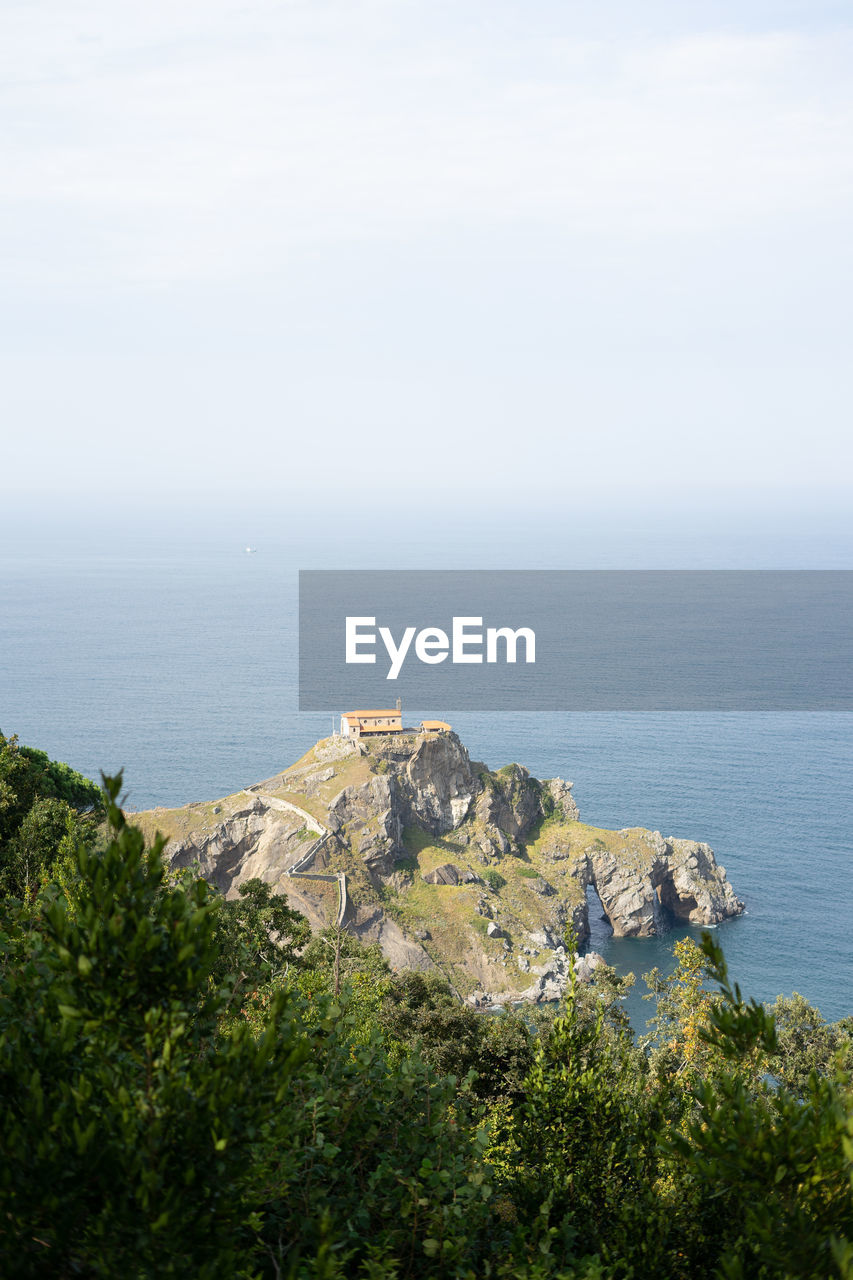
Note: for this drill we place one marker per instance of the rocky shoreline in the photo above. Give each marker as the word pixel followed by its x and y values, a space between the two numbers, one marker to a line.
pixel 447 863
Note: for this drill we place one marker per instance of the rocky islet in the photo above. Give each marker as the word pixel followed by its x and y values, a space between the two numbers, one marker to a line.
pixel 446 862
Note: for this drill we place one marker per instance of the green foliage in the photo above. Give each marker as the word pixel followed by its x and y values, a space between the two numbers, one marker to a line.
pixel 585 1151
pixel 528 873
pixel 332 946
pixel 603 1169
pixel 493 879
pixel 27 773
pixel 45 806
pixel 46 832
pixel 257 935
pixel 380 1171
pixel 337 965
pixel 420 1013
pixel 194 1087
pixel 63 782
pixel 680 1050
pixel 128 1123
pixel 770 1169
pixel 604 997
pixel 807 1044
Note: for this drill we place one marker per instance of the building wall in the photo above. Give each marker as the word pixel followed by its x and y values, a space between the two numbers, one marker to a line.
pixel 371 724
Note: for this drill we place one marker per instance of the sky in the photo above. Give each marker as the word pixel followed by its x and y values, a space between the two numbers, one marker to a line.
pixel 472 256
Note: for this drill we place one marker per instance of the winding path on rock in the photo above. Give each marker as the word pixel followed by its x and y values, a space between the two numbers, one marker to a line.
pixel 284 806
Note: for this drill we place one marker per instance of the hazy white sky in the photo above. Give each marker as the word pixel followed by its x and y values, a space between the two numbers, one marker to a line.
pixel 480 248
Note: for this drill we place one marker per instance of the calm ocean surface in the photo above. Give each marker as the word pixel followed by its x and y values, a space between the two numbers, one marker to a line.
pixel 180 667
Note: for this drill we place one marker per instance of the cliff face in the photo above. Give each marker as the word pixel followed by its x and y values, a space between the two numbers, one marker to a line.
pixel 446 862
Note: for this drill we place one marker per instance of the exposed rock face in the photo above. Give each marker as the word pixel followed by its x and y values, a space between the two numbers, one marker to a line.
pixel 553 977
pixel 435 787
pixel 438 785
pixel 541 887
pixel 431 787
pixel 373 925
pixel 367 818
pixel 564 801
pixel 585 966
pixel 450 874
pixel 671 877
pixel 361 797
pixel 313 782
pixel 509 803
pixel 255 841
pixel 696 888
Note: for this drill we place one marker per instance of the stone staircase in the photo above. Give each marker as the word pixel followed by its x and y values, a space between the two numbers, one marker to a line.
pixel 297 870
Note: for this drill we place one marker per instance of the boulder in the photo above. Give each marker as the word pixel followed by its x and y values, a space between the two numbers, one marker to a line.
pixel 447 873
pixel 542 887
pixel 585 966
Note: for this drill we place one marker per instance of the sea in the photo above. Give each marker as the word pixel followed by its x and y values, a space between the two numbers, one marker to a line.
pixel 174 659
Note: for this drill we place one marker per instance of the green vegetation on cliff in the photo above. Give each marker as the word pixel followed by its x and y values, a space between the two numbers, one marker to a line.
pixel 447 862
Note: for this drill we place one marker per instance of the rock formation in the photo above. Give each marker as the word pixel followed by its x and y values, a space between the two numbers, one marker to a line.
pixel 447 862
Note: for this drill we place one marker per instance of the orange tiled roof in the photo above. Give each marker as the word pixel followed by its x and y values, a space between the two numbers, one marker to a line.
pixel 435 724
pixel 371 715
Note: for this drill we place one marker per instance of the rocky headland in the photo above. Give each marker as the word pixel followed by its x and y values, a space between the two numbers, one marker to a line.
pixel 444 862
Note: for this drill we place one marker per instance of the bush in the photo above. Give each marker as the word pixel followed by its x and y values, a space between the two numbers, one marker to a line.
pixel 128 1121
pixel 44 806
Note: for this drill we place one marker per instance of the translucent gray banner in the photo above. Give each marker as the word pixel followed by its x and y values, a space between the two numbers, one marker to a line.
pixel 576 640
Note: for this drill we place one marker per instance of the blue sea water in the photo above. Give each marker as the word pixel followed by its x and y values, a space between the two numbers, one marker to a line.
pixel 179 666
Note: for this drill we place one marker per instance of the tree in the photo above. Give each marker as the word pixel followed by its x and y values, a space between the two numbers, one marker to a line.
pixel 46 831
pixel 585 1149
pixel 421 1014
pixel 257 935
pixel 44 807
pixel 806 1043
pixel 678 1045
pixel 128 1123
pixel 770 1168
